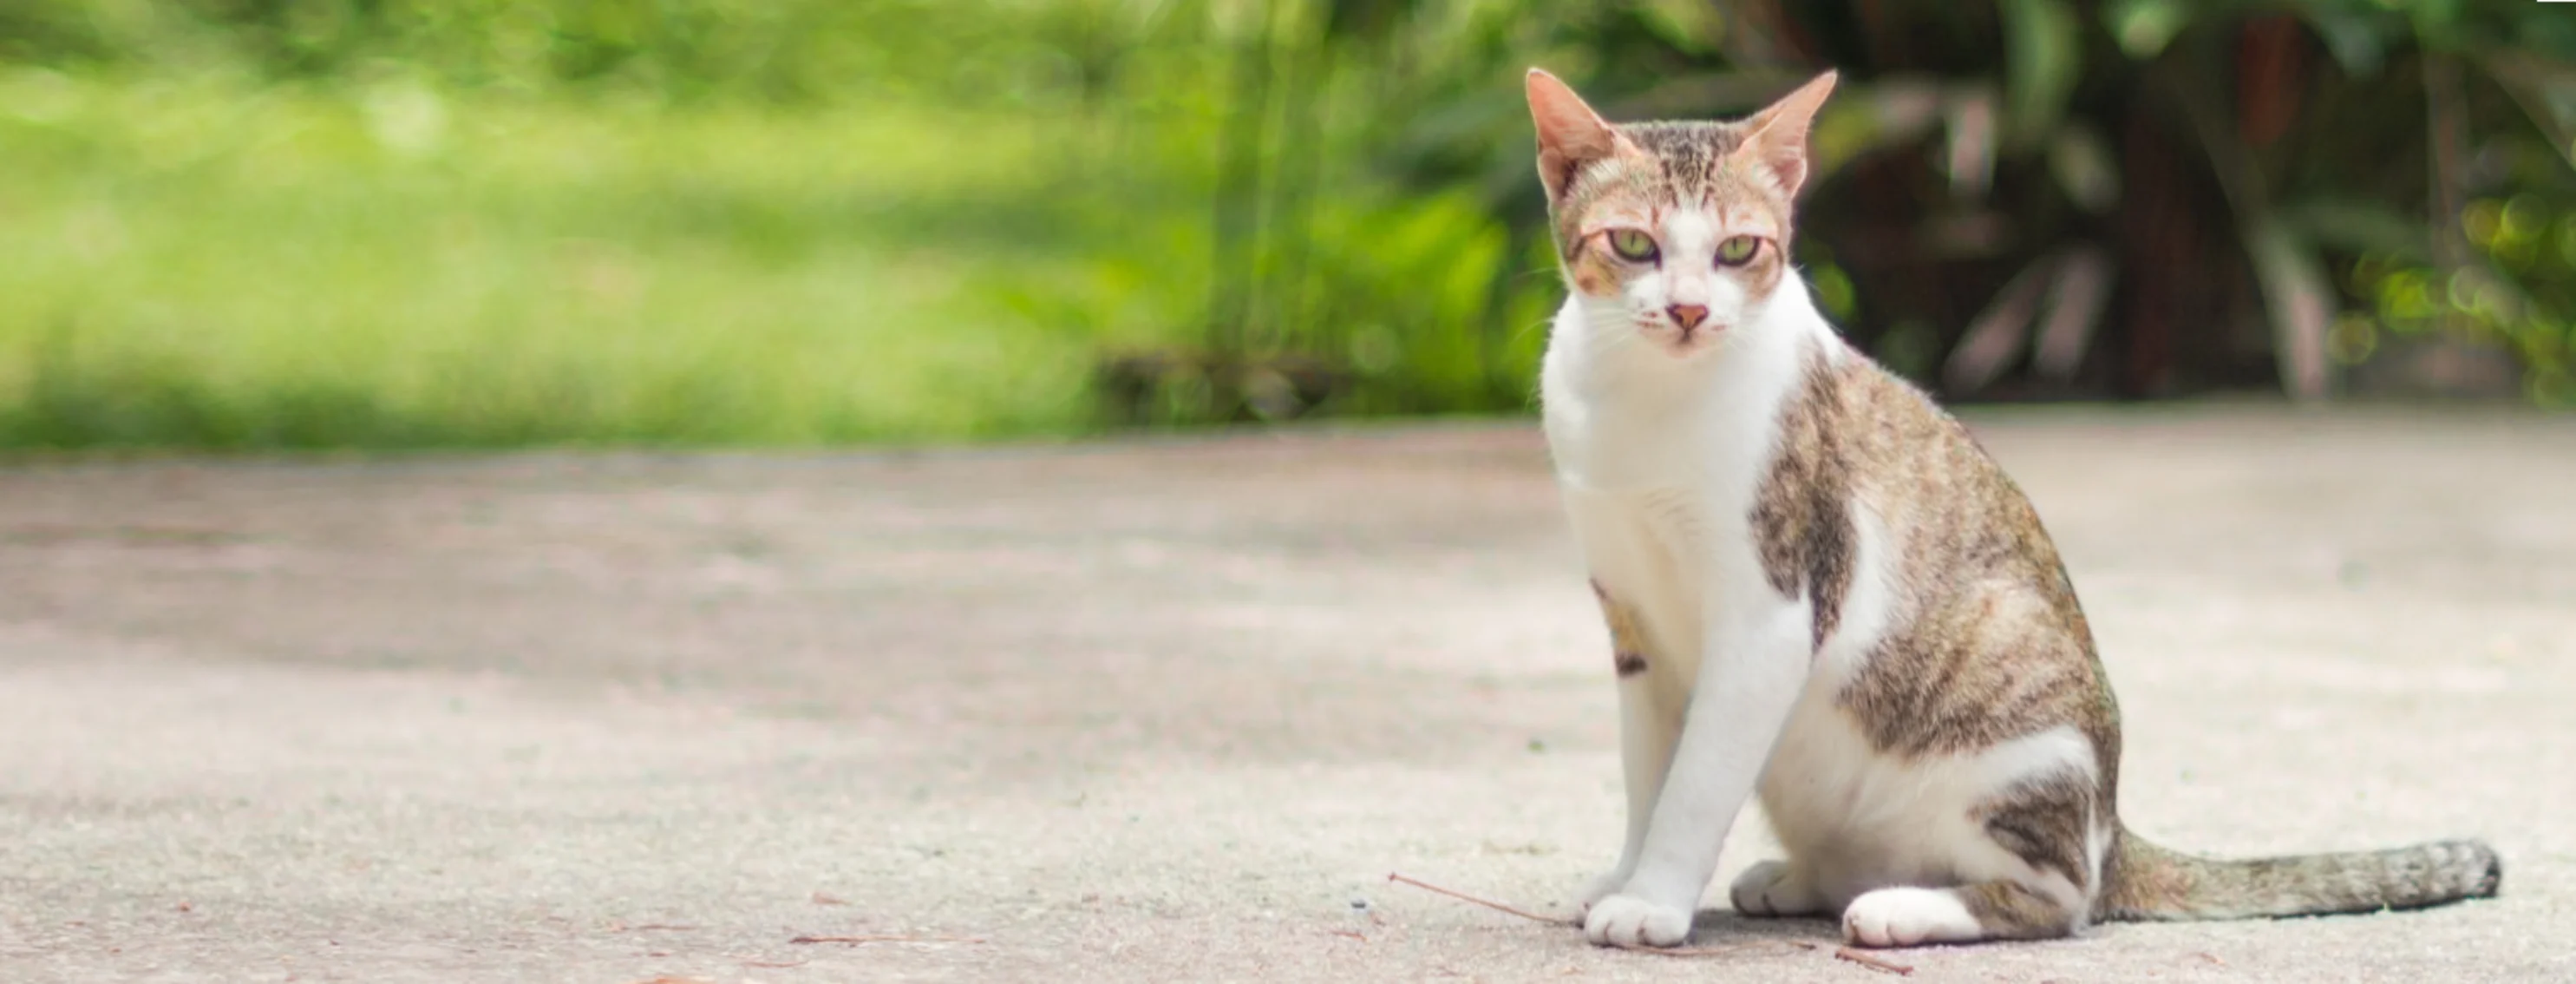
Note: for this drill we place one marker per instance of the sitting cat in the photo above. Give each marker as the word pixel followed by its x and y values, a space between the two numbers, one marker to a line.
pixel 1820 589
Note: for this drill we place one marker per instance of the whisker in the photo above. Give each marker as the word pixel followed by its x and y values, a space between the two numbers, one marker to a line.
pixel 1609 342
pixel 1729 339
pixel 1516 334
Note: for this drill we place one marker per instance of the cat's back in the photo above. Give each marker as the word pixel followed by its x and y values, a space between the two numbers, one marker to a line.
pixel 1984 639
pixel 1888 447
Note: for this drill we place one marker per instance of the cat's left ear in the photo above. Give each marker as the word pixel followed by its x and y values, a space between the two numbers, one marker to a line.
pixel 1777 136
pixel 1570 135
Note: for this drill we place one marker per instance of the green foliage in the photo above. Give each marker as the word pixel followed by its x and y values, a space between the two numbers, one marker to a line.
pixel 257 223
pixel 2520 295
pixel 2051 197
pixel 703 222
pixel 790 50
pixel 203 265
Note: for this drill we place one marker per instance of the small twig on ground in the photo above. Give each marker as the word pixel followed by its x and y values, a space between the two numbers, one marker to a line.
pixel 1464 897
pixel 1354 934
pixel 1873 963
pixel 1717 951
pixel 1840 952
pixel 827 898
pixel 653 926
pixel 773 964
pixel 897 938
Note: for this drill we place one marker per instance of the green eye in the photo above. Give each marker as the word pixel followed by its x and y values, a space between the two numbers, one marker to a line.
pixel 1632 244
pixel 1738 251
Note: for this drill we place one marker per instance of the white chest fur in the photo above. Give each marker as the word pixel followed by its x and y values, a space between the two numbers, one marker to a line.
pixel 1660 460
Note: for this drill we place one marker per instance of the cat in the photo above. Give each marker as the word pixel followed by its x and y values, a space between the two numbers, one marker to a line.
pixel 1820 590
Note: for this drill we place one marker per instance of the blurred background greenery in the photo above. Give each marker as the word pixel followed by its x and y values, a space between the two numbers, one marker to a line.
pixel 391 223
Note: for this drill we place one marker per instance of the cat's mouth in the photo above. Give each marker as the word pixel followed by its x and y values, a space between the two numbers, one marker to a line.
pixel 1680 342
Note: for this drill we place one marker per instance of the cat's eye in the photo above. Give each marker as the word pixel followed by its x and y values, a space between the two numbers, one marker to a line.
pixel 1632 244
pixel 1738 251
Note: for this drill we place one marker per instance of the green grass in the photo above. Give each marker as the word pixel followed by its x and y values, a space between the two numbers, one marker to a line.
pixel 208 263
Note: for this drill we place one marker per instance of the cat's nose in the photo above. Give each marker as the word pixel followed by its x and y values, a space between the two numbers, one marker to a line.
pixel 1688 315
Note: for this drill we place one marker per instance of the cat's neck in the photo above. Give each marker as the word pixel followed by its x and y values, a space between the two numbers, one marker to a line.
pixel 1626 413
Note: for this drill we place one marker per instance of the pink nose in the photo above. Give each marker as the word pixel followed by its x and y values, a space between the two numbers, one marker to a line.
pixel 1688 315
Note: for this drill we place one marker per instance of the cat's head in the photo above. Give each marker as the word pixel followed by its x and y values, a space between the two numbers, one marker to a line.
pixel 1677 230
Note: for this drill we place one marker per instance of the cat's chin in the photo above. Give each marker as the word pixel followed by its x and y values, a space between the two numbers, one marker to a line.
pixel 1686 349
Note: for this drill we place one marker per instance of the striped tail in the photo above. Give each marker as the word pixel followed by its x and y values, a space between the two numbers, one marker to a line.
pixel 2146 882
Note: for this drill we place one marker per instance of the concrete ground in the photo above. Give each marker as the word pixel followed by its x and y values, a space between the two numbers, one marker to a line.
pixel 1166 711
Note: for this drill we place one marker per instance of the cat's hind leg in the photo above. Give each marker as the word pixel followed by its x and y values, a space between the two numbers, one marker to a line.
pixel 1993 910
pixel 1777 888
pixel 2024 867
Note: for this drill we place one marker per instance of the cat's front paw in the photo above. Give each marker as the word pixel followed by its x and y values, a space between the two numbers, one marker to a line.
pixel 1599 888
pixel 1775 888
pixel 1626 920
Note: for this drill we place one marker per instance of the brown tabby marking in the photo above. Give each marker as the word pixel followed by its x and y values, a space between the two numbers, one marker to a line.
pixel 2146 882
pixel 1802 515
pixel 2008 911
pixel 1627 639
pixel 2045 822
pixel 1988 642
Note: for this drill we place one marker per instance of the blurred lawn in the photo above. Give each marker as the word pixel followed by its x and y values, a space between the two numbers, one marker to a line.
pixel 207 262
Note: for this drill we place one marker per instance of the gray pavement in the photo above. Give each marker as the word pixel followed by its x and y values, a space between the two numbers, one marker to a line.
pixel 1163 711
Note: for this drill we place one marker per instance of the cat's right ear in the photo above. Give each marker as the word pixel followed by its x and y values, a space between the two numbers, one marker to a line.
pixel 1570 135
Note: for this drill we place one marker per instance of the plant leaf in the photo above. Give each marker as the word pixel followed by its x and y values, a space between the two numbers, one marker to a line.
pixel 2144 27
pixel 2041 59
pixel 1997 335
pixel 2077 294
pixel 2299 299
pixel 1971 140
pixel 2081 162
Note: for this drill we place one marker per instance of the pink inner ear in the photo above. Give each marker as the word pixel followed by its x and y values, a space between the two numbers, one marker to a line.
pixel 1786 161
pixel 1779 132
pixel 1570 134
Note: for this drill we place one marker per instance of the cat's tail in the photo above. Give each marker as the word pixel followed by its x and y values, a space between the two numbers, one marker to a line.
pixel 2145 882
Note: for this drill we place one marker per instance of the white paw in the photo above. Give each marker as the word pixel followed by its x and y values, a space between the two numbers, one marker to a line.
pixel 1599 888
pixel 1907 916
pixel 1626 920
pixel 1773 888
